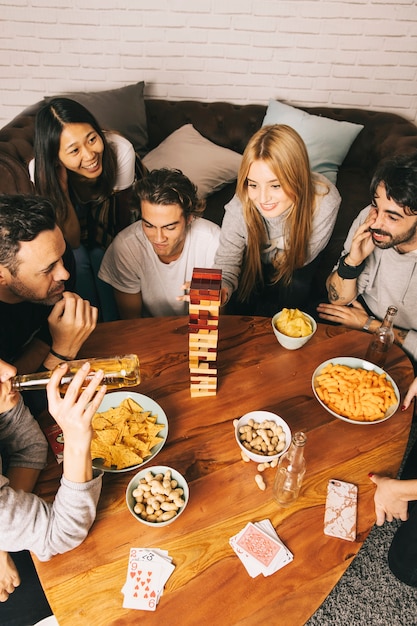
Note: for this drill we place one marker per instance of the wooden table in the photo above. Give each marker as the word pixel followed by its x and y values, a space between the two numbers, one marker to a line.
pixel 209 584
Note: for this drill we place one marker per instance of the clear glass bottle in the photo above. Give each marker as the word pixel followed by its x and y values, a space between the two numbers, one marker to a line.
pixel 290 472
pixel 119 371
pixel 382 339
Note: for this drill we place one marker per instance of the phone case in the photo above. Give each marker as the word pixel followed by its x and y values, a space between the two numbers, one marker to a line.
pixel 341 508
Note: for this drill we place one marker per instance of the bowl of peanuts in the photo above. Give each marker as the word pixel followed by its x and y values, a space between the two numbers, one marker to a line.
pixel 355 390
pixel 262 436
pixel 157 495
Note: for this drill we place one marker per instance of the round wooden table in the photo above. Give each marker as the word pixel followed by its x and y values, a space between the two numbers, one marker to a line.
pixel 209 584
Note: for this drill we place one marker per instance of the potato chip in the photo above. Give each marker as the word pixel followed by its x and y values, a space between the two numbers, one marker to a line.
pixel 293 323
pixel 124 435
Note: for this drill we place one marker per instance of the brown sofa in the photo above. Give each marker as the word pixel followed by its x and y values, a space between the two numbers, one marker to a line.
pixel 231 126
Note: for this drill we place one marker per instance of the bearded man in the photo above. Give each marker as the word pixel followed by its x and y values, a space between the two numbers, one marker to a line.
pixel 41 322
pixel 378 266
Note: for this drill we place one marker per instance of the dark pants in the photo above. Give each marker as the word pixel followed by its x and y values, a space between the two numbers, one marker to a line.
pixel 27 604
pixel 267 299
pixel 402 555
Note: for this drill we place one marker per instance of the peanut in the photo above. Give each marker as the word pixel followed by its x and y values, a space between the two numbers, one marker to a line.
pixel 260 482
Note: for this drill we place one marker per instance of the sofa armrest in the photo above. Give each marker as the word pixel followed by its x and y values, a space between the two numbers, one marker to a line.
pixel 14 176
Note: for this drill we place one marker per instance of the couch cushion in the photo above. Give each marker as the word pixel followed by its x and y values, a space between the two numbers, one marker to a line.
pixel 327 141
pixel 206 164
pixel 120 109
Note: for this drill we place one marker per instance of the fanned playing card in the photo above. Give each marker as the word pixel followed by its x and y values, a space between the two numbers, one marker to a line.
pixel 147 573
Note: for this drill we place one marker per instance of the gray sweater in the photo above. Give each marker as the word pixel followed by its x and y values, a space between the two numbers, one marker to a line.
pixel 389 278
pixel 27 522
pixel 234 236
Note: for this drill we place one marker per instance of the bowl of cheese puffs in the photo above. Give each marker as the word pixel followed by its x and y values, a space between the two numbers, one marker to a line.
pixel 293 328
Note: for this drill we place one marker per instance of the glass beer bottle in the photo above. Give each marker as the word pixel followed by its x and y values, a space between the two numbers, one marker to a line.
pixel 119 371
pixel 382 339
pixel 290 472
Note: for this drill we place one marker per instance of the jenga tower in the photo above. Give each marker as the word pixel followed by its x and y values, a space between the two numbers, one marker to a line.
pixel 205 295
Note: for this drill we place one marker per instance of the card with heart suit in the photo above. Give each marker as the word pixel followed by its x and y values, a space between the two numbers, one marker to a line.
pixel 260 549
pixel 147 572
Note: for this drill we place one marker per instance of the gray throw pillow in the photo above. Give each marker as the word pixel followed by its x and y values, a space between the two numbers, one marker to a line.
pixel 121 109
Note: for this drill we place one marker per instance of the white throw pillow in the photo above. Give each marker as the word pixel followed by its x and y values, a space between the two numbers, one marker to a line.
pixel 327 141
pixel 206 164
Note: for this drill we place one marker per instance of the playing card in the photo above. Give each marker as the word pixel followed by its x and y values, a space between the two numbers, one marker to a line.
pixel 148 570
pixel 253 567
pixel 283 557
pixel 143 589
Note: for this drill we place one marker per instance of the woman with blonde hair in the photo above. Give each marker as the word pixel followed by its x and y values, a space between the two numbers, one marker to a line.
pixel 274 228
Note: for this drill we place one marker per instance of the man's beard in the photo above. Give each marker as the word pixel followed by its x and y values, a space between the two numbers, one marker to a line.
pixel 24 293
pixel 392 242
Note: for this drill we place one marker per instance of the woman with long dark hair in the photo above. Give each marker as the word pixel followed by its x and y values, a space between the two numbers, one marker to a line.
pixel 88 175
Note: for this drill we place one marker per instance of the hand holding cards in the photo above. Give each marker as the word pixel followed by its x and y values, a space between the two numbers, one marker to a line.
pixel 260 549
pixel 147 573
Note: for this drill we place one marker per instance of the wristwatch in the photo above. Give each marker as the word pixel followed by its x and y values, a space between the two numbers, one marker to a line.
pixel 368 322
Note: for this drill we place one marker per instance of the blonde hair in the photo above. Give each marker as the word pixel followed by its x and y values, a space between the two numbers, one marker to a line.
pixel 282 149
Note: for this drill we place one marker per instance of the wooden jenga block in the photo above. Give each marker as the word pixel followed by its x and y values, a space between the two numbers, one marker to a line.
pixel 199 393
pixel 198 324
pixel 210 383
pixel 204 368
pixel 194 378
pixel 210 337
pixel 206 308
pixel 207 273
pixel 198 348
pixel 204 354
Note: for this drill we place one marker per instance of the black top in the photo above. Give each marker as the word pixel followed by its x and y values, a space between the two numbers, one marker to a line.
pixel 20 322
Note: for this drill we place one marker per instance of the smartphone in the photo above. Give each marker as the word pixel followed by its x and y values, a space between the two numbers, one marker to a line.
pixel 341 510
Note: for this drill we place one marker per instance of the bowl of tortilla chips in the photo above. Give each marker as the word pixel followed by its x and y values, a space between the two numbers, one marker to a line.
pixel 293 328
pixel 129 431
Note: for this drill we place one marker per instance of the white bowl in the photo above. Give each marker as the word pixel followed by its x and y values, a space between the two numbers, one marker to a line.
pixel 156 469
pixel 259 417
pixel 112 400
pixel 292 343
pixel 356 363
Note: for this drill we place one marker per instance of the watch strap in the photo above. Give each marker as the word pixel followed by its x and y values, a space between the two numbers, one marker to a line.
pixel 368 322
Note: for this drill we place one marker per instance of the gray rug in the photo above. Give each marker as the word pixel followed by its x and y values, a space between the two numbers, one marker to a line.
pixel 368 594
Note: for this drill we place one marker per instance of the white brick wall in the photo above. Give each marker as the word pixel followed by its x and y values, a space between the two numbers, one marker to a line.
pixel 354 53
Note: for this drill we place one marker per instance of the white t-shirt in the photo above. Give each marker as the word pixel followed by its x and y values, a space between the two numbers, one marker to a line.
pixel 125 155
pixel 130 265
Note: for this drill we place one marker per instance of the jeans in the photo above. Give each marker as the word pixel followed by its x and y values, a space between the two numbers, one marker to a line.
pixel 27 605
pixel 90 287
pixel 402 555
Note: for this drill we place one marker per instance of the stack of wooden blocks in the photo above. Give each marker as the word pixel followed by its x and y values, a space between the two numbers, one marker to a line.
pixel 205 295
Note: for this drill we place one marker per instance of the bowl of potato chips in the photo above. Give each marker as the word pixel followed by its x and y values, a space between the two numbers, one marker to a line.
pixel 157 495
pixel 293 328
pixel 129 431
pixel 355 390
